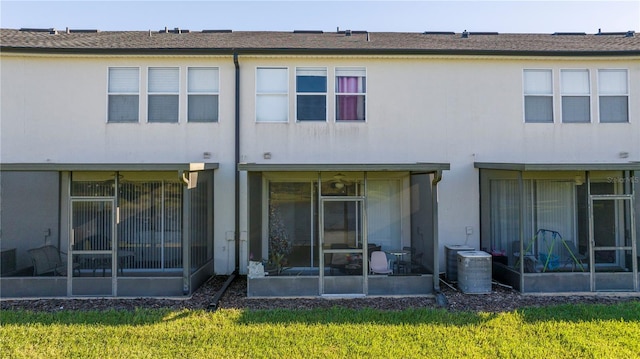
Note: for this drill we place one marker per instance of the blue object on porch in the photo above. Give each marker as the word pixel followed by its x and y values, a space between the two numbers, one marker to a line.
pixel 551 261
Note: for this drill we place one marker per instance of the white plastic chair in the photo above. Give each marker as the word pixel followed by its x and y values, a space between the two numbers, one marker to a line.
pixel 379 263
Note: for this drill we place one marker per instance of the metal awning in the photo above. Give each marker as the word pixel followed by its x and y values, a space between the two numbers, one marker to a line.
pixel 620 166
pixel 108 166
pixel 343 167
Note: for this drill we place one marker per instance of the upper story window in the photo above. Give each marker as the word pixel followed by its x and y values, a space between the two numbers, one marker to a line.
pixel 272 94
pixel 163 91
pixel 538 96
pixel 613 95
pixel 311 94
pixel 202 94
pixel 124 87
pixel 576 96
pixel 351 89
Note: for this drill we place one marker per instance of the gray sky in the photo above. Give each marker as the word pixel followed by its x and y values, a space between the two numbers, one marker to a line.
pixel 399 16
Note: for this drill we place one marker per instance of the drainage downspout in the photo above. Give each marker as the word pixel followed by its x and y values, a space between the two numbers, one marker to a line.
pixel 237 160
pixel 216 298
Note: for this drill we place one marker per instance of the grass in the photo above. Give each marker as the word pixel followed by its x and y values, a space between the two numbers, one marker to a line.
pixel 576 331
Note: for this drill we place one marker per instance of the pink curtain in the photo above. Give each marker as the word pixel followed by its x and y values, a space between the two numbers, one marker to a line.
pixel 347 104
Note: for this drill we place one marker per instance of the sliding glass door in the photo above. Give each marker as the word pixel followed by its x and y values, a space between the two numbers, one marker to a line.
pixel 342 246
pixel 93 267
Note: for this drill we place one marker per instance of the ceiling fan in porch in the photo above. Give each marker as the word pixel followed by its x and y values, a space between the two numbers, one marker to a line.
pixel 338 181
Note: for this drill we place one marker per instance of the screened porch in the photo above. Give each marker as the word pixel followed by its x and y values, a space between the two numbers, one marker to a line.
pixel 314 233
pixel 130 231
pixel 561 228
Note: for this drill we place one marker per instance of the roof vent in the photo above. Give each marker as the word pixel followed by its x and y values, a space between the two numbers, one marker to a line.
pixel 175 30
pixel 465 34
pixel 569 33
pixel 439 33
pixel 347 32
pixel 308 31
pixel 484 33
pixel 82 31
pixel 629 33
pixel 49 30
pixel 217 31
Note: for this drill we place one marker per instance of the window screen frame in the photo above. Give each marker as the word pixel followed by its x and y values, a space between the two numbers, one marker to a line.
pixel 122 93
pixel 283 95
pixel 564 93
pixel 625 94
pixel 300 93
pixel 214 92
pixel 542 94
pixel 151 94
pixel 338 93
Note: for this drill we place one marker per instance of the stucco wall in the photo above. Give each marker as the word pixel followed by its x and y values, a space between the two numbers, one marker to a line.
pixel 428 109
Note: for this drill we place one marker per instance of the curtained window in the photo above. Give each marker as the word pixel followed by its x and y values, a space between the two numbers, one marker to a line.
pixel 350 94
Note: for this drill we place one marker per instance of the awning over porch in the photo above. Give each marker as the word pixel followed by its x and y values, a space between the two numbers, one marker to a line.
pixel 108 166
pixel 515 166
pixel 344 167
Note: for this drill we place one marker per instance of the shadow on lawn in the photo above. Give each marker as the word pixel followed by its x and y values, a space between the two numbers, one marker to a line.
pixel 139 317
pixel 626 311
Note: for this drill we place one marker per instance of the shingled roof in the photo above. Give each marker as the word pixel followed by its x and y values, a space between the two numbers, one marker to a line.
pixel 341 42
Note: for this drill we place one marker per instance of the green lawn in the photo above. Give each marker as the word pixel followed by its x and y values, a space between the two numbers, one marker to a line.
pixel 569 331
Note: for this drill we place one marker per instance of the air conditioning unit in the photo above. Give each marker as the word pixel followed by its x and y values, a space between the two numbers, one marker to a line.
pixel 451 260
pixel 474 272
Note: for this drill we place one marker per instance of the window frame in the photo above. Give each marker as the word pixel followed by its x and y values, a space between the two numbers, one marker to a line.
pixel 163 93
pixel 564 94
pixel 258 94
pixel 551 94
pixel 117 93
pixel 338 94
pixel 325 93
pixel 626 94
pixel 203 93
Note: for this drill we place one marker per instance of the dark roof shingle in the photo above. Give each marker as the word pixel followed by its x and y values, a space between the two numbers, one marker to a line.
pixel 315 42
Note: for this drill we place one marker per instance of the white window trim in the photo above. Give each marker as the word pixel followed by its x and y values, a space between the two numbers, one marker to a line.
pixel 187 92
pixel 106 120
pixel 149 93
pixel 552 95
pixel 255 103
pixel 326 94
pixel 597 110
pixel 589 95
pixel 336 93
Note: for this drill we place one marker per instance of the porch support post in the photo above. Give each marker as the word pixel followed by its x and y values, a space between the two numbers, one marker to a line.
pixel 437 177
pixel 186 238
pixel 521 227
